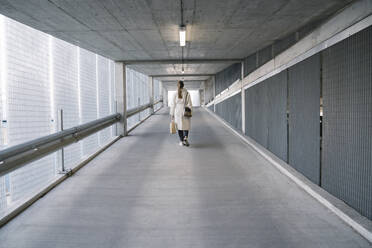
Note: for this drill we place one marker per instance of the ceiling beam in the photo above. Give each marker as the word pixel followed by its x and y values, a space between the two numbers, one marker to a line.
pixel 187 81
pixel 179 61
pixel 182 75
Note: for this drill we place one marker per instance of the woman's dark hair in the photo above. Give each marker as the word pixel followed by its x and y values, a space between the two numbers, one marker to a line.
pixel 180 87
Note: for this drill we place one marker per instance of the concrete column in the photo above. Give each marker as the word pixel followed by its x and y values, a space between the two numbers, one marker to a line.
pixel 243 99
pixel 165 97
pixel 121 97
pixel 214 91
pixel 151 94
pixel 205 89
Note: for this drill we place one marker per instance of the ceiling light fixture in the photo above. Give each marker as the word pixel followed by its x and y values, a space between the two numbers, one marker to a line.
pixel 182 35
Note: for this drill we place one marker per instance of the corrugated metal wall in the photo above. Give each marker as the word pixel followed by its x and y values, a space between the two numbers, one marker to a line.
pixel 231 111
pixel 265 115
pixel 344 167
pixel 211 108
pixel 347 121
pixel 276 115
pixel 256 113
pixel 304 112
pixel 228 76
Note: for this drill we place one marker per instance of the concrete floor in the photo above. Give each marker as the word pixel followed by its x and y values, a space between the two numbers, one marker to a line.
pixel 146 191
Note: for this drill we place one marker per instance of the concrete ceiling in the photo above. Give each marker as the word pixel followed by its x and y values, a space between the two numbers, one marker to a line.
pixel 189 84
pixel 148 29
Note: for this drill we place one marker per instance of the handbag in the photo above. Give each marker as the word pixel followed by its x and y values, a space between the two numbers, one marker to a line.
pixel 172 127
pixel 187 110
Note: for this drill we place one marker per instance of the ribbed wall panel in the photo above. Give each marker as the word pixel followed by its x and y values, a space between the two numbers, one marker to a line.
pixel 277 119
pixel 264 55
pixel 226 77
pixel 3 204
pixel 88 97
pixel 104 96
pixel 231 111
pixel 113 108
pixel 66 94
pixel 137 94
pixel 265 114
pixel 40 75
pixel 347 121
pixel 256 110
pixel 304 111
pixel 28 103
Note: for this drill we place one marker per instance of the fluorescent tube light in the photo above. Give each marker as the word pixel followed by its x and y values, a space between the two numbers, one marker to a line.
pixel 182 35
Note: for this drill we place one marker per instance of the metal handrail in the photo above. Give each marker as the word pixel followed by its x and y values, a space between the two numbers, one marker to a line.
pixel 141 108
pixel 17 156
pixel 138 109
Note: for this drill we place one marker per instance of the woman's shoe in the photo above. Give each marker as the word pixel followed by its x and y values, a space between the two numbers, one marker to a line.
pixel 181 143
pixel 186 143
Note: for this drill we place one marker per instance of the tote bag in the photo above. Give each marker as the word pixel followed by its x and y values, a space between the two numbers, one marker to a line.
pixel 172 127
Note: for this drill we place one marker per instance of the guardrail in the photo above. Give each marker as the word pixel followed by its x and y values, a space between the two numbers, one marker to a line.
pixel 17 156
pixel 141 108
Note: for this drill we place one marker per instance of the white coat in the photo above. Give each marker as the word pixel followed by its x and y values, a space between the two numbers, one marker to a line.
pixel 177 108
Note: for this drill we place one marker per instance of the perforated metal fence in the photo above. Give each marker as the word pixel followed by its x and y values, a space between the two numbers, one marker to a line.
pixel 231 111
pixel 304 122
pixel 138 94
pixel 347 121
pixel 39 76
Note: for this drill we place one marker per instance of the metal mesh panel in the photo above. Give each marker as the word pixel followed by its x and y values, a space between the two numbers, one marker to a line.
pixel 256 113
pixel 157 90
pixel 2 81
pixel 250 64
pixel 66 95
pixel 264 55
pixel 104 97
pixel 211 108
pixel 231 111
pixel 38 76
pixel 3 204
pixel 277 115
pixel 157 106
pixel 28 102
pixel 226 77
pixel 347 118
pixel 304 106
pixel 88 97
pixel 112 95
pixel 266 121
pixel 137 94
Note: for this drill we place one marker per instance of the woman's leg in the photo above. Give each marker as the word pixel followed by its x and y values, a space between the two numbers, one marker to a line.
pixel 185 134
pixel 180 133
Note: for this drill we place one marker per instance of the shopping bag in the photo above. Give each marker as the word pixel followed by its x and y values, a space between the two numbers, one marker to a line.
pixel 172 127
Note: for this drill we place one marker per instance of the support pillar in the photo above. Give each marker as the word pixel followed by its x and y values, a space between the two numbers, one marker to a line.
pixel 165 97
pixel 151 94
pixel 243 99
pixel 214 92
pixel 121 98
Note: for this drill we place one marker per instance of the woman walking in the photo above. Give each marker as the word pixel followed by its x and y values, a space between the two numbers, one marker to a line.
pixel 181 111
